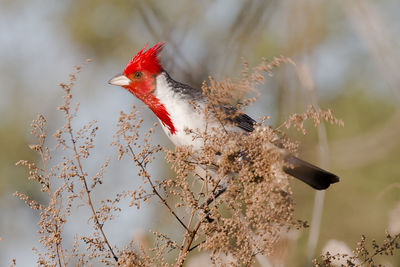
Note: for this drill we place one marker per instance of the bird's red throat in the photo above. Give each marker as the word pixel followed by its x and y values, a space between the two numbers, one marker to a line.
pixel 161 112
pixel 156 106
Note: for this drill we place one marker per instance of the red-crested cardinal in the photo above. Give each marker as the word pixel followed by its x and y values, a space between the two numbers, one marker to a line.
pixel 172 102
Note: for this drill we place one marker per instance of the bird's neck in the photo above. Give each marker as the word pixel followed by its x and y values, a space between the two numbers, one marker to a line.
pixel 160 111
pixel 170 103
pixel 149 96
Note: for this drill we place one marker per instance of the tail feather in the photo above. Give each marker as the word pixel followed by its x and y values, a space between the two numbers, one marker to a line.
pixel 309 174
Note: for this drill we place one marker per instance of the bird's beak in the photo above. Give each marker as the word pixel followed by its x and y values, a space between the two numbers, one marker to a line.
pixel 120 80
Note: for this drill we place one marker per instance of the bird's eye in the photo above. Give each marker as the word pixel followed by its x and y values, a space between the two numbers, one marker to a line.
pixel 137 75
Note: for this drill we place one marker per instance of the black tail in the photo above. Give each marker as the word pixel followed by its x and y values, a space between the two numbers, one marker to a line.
pixel 310 174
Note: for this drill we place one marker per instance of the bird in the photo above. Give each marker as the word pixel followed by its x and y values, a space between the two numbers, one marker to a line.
pixel 172 102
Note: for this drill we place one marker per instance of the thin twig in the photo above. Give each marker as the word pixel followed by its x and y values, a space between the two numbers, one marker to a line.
pixel 60 253
pixel 155 189
pixel 82 176
pixel 195 246
pixel 59 249
pixel 214 196
pixel 192 234
pixel 382 249
pixel 191 217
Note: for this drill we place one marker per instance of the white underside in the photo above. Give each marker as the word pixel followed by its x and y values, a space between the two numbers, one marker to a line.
pixel 182 114
pixel 184 118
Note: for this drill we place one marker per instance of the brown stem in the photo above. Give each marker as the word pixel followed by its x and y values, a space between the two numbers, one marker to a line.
pixel 382 249
pixel 60 253
pixel 155 191
pixel 195 246
pixel 83 179
pixel 192 234
pixel 59 250
pixel 185 248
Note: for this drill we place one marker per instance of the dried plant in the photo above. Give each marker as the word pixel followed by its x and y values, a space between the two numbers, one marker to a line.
pixel 65 183
pixel 230 199
pixel 364 255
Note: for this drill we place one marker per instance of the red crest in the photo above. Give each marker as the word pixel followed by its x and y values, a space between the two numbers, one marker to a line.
pixel 146 61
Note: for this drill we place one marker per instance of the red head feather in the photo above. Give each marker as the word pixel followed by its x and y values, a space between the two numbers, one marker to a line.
pixel 147 61
pixel 148 64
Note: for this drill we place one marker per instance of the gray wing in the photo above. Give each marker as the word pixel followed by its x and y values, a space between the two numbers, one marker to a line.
pixel 244 122
pixel 241 120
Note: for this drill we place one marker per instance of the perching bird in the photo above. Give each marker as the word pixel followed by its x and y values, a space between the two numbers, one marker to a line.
pixel 172 102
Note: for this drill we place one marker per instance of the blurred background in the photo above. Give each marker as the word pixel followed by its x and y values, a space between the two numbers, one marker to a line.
pixel 347 56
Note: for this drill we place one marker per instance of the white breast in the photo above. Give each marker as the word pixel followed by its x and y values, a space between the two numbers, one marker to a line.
pixel 182 114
